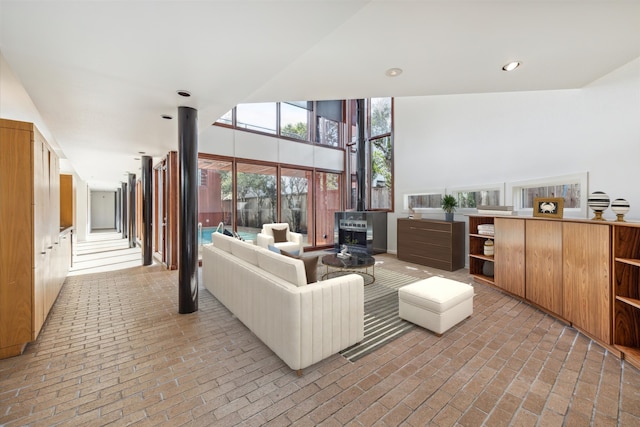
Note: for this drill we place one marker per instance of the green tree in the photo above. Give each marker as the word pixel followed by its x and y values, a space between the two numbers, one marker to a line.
pixel 381 158
pixel 294 190
pixel 299 130
pixel 380 116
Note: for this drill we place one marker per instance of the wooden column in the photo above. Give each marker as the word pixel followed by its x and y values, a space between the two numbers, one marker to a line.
pixel 147 210
pixel 124 225
pixel 131 217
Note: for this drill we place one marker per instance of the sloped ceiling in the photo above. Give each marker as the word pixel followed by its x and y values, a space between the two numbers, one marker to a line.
pixel 101 73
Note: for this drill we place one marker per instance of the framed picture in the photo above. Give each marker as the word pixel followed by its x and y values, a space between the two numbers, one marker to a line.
pixel 549 207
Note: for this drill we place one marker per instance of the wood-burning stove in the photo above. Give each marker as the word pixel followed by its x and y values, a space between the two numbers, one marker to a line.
pixel 361 231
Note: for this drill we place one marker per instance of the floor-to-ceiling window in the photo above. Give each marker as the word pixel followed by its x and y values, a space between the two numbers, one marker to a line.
pixel 240 196
pixel 377 152
pixel 256 197
pixel 215 191
pixel 327 190
pixel 296 200
pixel 380 154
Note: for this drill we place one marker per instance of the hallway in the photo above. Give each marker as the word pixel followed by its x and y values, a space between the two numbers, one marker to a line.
pixel 115 350
pixel 104 251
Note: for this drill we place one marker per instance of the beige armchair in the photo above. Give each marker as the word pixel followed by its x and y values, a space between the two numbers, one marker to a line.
pixel 279 236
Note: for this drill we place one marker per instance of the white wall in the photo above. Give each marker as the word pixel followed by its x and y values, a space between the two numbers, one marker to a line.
pixel 466 140
pixel 103 210
pixel 82 210
pixel 228 142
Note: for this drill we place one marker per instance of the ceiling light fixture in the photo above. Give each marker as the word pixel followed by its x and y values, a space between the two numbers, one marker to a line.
pixel 511 66
pixel 166 116
pixel 393 72
pixel 184 93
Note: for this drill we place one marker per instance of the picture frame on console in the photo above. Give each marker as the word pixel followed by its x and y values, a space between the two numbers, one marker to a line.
pixel 548 207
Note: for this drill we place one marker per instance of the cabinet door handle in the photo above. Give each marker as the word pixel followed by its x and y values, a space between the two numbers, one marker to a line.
pixel 50 247
pixel 43 253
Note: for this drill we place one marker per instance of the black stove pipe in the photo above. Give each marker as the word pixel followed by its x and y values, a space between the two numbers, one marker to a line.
pixel 361 159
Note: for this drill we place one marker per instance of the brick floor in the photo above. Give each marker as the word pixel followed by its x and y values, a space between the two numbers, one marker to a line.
pixel 114 350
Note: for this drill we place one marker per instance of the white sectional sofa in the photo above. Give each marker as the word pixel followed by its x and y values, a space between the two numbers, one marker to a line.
pixel 268 292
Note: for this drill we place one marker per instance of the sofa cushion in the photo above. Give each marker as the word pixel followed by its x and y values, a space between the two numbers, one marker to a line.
pixel 291 247
pixel 310 265
pixel 278 248
pixel 289 269
pixel 245 251
pixel 279 235
pixel 274 249
pixel 221 241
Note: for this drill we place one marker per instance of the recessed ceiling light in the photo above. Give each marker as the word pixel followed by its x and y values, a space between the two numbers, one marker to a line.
pixel 184 93
pixel 393 72
pixel 166 116
pixel 511 66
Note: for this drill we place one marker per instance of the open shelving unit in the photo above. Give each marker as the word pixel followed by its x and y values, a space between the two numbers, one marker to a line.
pixel 477 258
pixel 626 288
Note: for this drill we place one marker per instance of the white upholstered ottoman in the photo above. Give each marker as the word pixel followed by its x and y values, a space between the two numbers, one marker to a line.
pixel 436 303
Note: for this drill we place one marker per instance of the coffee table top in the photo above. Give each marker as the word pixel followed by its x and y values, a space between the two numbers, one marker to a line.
pixel 355 261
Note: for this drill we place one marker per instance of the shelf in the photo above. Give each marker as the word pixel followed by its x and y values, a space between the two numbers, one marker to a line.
pixel 483 278
pixel 632 353
pixel 631 301
pixel 630 261
pixel 482 236
pixel 483 257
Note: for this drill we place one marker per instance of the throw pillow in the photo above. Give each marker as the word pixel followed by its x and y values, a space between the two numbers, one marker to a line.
pixel 274 249
pixel 279 235
pixel 310 266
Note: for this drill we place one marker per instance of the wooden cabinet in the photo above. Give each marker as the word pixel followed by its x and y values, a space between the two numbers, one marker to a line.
pixel 586 258
pixel 626 291
pixel 509 255
pixel 16 250
pixel 564 266
pixel 437 244
pixel 30 254
pixel 543 265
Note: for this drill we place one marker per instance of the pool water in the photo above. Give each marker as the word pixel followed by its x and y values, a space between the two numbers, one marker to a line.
pixel 205 237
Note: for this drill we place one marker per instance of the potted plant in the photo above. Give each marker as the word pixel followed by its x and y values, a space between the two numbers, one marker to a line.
pixel 449 204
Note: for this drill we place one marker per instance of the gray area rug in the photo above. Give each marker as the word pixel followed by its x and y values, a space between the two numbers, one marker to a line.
pixel 381 322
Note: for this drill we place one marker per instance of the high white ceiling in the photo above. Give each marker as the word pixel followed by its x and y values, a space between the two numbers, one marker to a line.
pixel 101 73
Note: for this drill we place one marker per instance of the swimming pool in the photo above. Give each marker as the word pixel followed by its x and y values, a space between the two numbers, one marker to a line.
pixel 205 237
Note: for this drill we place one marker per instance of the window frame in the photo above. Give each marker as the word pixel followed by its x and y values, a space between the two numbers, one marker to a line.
pixel 515 195
pixel 430 192
pixel 476 188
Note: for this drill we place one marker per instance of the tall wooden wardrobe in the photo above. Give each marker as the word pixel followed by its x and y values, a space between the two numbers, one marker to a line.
pixel 35 253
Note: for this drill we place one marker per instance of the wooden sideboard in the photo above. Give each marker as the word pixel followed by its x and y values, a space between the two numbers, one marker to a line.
pixel 437 244
pixel 586 273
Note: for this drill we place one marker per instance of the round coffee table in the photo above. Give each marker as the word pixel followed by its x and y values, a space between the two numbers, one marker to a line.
pixel 353 264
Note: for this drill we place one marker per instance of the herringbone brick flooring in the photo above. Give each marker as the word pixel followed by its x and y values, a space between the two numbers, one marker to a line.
pixel 115 351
